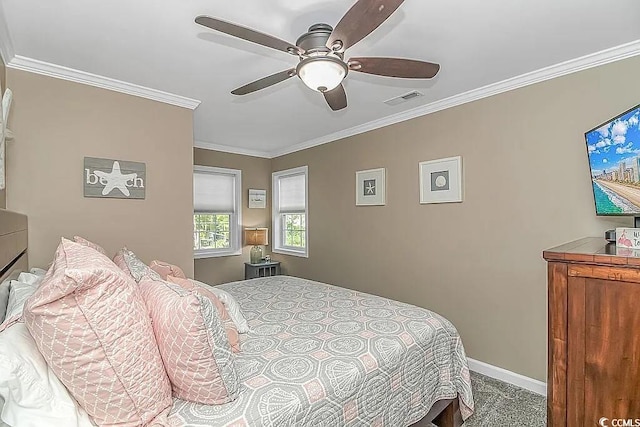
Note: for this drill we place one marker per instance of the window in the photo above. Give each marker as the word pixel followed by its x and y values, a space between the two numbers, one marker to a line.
pixel 217 201
pixel 290 213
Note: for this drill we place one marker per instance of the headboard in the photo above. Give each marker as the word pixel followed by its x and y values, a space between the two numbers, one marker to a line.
pixel 13 243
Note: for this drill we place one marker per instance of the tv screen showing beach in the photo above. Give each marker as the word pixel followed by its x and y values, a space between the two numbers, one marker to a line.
pixel 614 159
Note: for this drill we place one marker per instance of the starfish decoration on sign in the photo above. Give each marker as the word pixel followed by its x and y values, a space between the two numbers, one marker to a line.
pixel 370 189
pixel 115 179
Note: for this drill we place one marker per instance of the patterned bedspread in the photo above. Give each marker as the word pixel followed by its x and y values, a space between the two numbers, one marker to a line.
pixel 320 355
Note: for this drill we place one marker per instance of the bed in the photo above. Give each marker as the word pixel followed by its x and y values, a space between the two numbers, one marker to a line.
pixel 323 355
pixel 320 355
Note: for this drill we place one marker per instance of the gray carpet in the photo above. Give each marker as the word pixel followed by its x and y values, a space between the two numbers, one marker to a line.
pixel 500 404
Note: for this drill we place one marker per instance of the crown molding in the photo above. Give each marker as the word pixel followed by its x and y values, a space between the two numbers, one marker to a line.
pixel 57 71
pixel 229 149
pixel 6 46
pixel 572 66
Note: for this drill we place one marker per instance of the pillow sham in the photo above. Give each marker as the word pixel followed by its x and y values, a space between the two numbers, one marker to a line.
pixel 91 326
pixel 230 303
pixel 192 343
pixel 165 269
pixel 5 287
pixel 85 242
pixel 18 295
pixel 20 290
pixel 132 265
pixel 229 326
pixel 32 394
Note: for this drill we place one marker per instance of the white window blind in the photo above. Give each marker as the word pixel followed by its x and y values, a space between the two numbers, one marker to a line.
pixel 214 192
pixel 290 211
pixel 292 193
pixel 217 211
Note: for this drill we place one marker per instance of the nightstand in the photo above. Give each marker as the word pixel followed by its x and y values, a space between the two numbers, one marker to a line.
pixel 262 269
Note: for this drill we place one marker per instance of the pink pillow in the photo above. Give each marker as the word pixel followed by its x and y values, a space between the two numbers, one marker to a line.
pixel 229 326
pixel 91 326
pixel 192 342
pixel 165 269
pixel 92 245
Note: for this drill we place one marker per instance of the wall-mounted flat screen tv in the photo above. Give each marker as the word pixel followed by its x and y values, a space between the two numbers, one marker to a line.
pixel 614 159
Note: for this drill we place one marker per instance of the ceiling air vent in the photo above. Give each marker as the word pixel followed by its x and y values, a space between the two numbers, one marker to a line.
pixel 403 98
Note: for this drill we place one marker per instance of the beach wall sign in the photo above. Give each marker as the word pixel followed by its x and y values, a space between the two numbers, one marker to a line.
pixel 628 238
pixel 114 178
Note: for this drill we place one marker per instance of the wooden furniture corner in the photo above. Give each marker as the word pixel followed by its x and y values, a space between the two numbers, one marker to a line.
pixel 594 333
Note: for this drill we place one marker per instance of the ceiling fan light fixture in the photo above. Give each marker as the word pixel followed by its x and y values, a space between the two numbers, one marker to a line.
pixel 322 73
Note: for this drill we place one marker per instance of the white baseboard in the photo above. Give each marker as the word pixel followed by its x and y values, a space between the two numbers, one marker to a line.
pixel 501 374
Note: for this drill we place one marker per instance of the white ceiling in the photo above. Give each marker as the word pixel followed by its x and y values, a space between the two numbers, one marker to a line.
pixel 156 44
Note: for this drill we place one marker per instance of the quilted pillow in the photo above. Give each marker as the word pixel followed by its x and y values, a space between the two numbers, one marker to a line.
pixel 92 328
pixel 230 303
pixel 229 326
pixel 132 265
pixel 165 269
pixel 192 342
pixel 92 245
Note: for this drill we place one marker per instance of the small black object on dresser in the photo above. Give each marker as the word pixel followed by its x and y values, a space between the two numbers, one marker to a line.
pixel 262 269
pixel 610 235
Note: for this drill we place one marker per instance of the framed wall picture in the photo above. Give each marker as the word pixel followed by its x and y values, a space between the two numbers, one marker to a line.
pixel 370 187
pixel 116 179
pixel 441 180
pixel 257 199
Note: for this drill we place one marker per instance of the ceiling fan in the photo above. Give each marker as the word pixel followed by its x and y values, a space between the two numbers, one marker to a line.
pixel 321 52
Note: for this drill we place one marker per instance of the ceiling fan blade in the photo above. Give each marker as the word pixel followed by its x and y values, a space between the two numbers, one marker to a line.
pixel 336 98
pixel 265 82
pixel 248 34
pixel 395 67
pixel 363 17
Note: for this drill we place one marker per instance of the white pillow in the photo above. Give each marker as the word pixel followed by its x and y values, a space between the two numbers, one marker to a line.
pixel 5 287
pixel 38 271
pixel 31 278
pixel 33 395
pixel 232 307
pixel 20 291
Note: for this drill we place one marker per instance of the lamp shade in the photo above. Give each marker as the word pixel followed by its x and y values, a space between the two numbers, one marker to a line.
pixel 256 236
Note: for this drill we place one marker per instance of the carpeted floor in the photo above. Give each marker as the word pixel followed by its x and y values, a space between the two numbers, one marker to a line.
pixel 499 404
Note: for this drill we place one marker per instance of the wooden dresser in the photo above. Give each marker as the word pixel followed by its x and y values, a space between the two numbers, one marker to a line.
pixel 594 334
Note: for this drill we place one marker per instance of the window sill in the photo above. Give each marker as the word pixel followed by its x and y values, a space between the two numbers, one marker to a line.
pixel 292 252
pixel 214 254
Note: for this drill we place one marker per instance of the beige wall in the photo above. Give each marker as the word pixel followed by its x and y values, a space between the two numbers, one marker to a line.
pixel 478 263
pixel 3 81
pixel 256 173
pixel 57 123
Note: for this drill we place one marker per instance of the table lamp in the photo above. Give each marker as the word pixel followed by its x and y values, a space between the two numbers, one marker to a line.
pixel 256 237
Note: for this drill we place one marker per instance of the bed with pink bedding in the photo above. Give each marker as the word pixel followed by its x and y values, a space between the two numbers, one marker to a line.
pixel 314 355
pixel 320 355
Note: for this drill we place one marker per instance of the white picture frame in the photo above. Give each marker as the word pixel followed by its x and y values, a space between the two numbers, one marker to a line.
pixel 370 187
pixel 441 180
pixel 257 199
